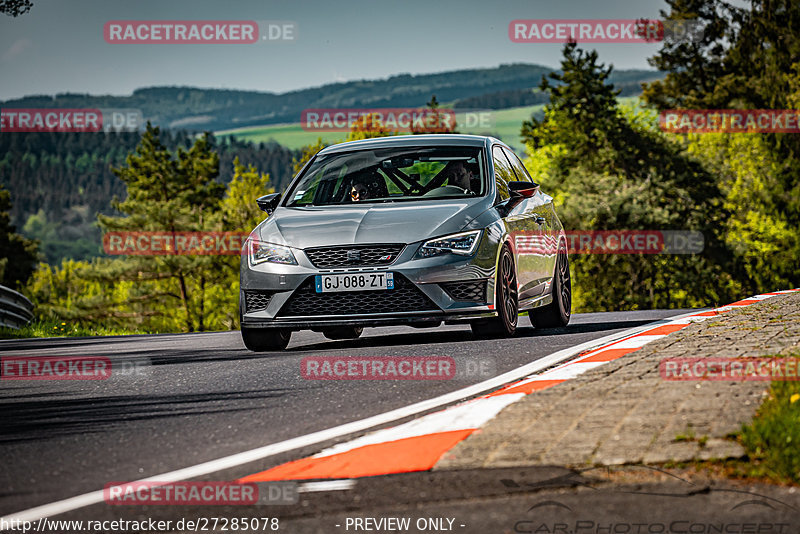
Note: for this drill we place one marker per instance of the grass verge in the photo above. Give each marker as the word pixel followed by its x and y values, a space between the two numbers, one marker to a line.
pixel 62 329
pixel 772 439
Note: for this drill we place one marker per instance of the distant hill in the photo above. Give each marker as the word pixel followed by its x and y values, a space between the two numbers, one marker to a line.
pixel 195 109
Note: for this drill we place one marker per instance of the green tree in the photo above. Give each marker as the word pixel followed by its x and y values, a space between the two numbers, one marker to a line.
pixel 610 169
pixel 64 293
pixel 241 214
pixel 239 205
pixel 173 193
pixel 369 126
pixel 15 8
pixel 306 154
pixel 444 120
pixel 18 255
pixel 763 240
pixel 747 57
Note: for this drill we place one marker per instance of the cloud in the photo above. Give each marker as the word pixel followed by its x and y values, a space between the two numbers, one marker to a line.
pixel 16 49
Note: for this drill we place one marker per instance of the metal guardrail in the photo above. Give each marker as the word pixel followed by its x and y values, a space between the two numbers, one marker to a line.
pixel 15 309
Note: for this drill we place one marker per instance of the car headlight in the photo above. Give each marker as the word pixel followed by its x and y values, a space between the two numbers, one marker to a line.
pixel 261 252
pixel 464 243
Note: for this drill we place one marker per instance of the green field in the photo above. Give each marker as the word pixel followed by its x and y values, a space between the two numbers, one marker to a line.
pixel 504 124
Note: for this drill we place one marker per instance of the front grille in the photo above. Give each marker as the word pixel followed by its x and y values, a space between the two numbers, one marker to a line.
pixel 355 255
pixel 466 291
pixel 405 297
pixel 257 300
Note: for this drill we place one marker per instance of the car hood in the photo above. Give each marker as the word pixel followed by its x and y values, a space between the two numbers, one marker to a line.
pixel 399 222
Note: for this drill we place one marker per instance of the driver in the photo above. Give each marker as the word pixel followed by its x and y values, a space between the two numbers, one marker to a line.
pixel 461 176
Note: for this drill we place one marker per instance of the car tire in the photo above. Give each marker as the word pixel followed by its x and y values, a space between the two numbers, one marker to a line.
pixel 557 313
pixel 506 301
pixel 266 339
pixel 343 332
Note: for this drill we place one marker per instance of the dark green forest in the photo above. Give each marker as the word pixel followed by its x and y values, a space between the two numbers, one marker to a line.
pixel 627 82
pixel 59 182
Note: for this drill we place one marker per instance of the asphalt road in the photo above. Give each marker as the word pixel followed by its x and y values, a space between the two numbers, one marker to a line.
pixel 191 398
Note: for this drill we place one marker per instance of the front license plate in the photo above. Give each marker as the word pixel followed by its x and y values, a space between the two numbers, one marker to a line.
pixel 329 283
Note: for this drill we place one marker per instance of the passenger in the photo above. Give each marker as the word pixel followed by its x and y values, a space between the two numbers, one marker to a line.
pixel 359 190
pixel 367 185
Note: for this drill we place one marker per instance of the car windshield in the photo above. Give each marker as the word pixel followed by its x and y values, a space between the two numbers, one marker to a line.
pixel 388 175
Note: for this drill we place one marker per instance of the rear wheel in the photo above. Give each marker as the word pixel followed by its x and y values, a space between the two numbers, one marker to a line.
pixel 264 339
pixel 506 300
pixel 558 312
pixel 343 332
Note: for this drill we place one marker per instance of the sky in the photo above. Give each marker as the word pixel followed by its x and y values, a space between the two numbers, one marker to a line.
pixel 59 46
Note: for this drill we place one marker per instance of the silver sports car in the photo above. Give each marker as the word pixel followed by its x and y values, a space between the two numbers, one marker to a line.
pixel 411 230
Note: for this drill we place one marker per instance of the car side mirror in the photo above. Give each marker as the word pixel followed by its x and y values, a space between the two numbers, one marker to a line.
pixel 269 202
pixel 522 189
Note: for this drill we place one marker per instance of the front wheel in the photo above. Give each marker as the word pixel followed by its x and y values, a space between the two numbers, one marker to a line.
pixel 506 301
pixel 265 339
pixel 558 312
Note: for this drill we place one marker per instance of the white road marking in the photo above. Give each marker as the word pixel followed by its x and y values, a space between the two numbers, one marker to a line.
pixel 470 415
pixel 636 342
pixel 569 371
pixel 234 460
pixel 327 485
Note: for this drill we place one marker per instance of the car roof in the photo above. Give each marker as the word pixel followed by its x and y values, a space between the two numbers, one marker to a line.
pixel 412 140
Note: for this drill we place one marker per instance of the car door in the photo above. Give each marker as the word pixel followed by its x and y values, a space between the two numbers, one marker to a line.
pixel 536 252
pixel 516 216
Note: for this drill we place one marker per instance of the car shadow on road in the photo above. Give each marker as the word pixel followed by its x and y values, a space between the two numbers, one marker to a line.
pixel 40 418
pixel 435 337
pixel 40 343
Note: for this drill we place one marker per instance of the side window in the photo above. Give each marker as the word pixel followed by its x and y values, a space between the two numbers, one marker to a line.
pixel 519 168
pixel 503 173
pixel 306 196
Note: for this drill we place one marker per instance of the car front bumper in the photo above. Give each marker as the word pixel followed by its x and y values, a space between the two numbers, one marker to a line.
pixel 282 296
